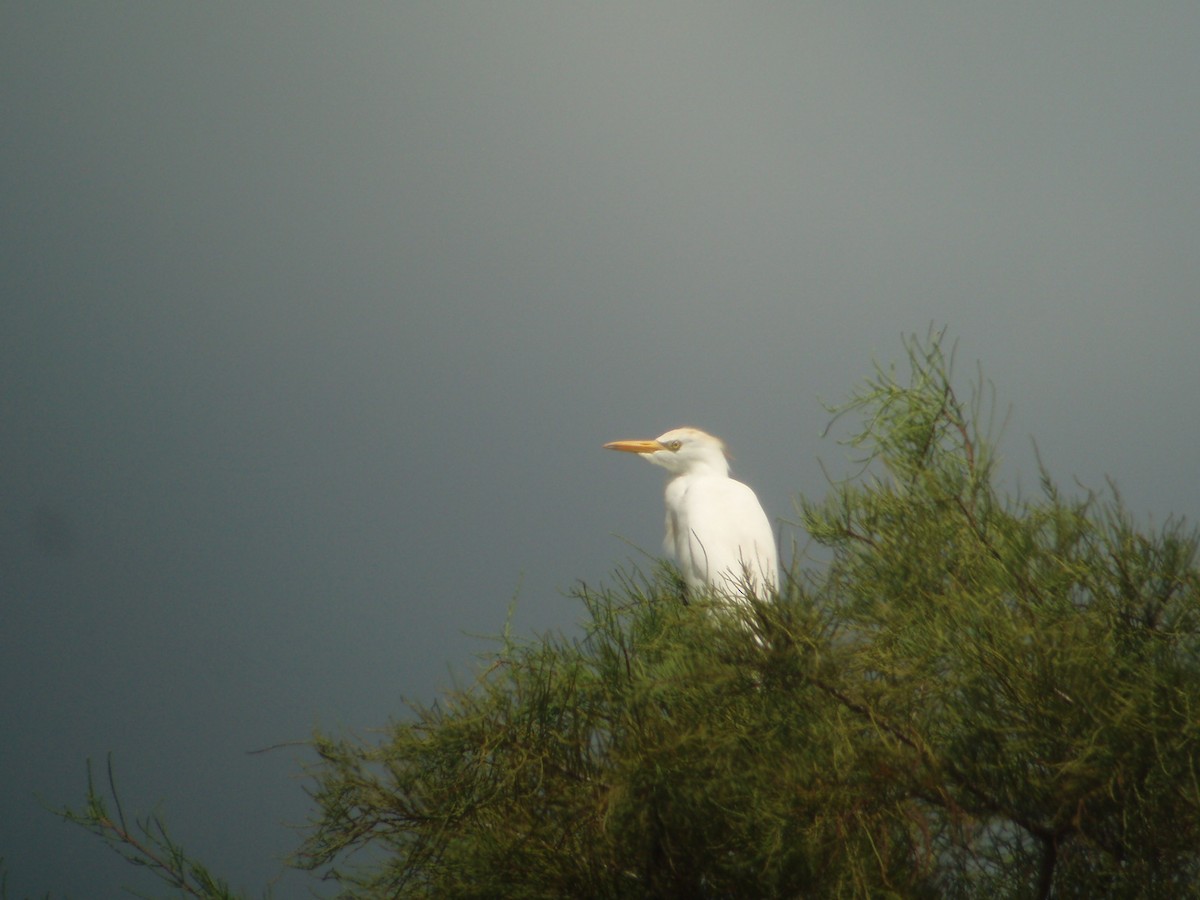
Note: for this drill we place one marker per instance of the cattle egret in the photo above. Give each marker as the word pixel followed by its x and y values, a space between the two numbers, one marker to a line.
pixel 716 530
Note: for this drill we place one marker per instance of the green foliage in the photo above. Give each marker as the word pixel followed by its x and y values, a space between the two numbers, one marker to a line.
pixel 977 696
pixel 1041 655
pixel 664 753
pixel 146 843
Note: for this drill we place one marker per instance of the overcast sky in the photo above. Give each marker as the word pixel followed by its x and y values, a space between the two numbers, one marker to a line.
pixel 315 317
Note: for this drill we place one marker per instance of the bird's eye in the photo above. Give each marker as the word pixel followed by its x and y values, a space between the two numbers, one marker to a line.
pixel 674 445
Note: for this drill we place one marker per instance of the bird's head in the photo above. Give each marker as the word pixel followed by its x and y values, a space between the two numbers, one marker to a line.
pixel 681 451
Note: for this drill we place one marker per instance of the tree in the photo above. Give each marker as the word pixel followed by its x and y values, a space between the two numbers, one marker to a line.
pixel 974 696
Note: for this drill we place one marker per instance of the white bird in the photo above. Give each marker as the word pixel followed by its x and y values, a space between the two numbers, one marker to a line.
pixel 717 531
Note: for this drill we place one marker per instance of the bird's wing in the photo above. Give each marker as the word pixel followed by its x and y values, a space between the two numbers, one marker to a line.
pixel 721 535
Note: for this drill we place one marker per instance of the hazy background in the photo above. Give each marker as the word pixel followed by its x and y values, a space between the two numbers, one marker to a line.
pixel 315 317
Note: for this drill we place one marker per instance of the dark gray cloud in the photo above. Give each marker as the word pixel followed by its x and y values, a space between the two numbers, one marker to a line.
pixel 316 318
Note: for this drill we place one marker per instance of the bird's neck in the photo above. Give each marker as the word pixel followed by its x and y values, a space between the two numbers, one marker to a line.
pixel 705 470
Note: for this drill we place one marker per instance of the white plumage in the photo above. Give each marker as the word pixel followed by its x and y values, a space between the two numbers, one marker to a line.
pixel 716 530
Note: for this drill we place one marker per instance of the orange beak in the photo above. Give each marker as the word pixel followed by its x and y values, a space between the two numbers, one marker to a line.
pixel 635 446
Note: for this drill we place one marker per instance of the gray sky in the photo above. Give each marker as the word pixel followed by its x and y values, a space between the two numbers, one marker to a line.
pixel 316 317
